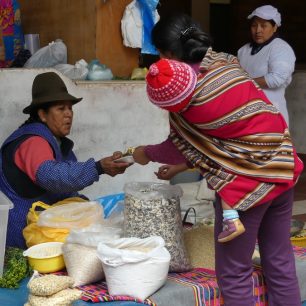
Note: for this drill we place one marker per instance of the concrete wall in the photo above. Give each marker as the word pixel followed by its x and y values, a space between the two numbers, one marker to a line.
pixel 296 103
pixel 111 117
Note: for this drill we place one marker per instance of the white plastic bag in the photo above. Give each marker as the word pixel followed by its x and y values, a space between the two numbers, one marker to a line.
pixel 72 215
pixel 131 25
pixel 48 56
pixel 135 267
pixel 86 271
pixel 98 71
pixel 92 235
pixel 198 196
pixel 78 71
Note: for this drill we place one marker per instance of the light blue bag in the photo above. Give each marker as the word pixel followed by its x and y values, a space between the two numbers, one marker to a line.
pixel 148 9
pixel 111 203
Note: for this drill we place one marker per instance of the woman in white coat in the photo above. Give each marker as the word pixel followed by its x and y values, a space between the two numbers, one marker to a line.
pixel 268 59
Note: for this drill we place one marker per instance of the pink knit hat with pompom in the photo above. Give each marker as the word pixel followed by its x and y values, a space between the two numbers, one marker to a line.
pixel 170 84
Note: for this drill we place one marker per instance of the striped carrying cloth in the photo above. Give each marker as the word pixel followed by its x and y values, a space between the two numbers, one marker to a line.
pixel 235 136
pixel 195 288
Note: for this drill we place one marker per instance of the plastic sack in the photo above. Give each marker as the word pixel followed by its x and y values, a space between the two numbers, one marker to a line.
pixel 86 271
pixel 139 73
pixel 98 71
pixel 198 196
pixel 34 234
pixel 53 54
pixel 200 244
pixel 78 71
pixel 72 215
pixel 134 267
pixel 131 25
pixel 49 284
pixel 62 298
pixel 110 203
pixel 91 236
pixel 154 209
pixel 149 17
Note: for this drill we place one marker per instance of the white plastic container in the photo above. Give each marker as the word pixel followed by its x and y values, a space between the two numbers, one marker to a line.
pixel 5 205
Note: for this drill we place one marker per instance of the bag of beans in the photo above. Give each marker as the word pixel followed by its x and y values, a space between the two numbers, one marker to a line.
pixel 88 270
pixel 49 284
pixel 154 209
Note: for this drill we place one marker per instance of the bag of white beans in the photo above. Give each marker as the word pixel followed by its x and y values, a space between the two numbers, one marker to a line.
pixel 62 298
pixel 49 284
pixel 85 271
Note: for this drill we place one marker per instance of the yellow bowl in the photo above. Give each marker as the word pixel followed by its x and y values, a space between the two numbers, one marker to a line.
pixel 46 257
pixel 299 240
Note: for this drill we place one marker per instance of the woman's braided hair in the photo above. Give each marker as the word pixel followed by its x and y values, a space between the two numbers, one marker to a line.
pixel 182 37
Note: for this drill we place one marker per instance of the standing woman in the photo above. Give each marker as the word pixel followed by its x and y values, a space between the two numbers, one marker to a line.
pixel 268 59
pixel 226 118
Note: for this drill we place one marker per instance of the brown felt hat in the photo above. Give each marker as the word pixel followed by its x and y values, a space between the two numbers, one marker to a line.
pixel 48 87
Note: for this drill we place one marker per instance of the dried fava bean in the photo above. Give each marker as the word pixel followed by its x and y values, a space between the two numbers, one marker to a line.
pixel 61 298
pixel 49 284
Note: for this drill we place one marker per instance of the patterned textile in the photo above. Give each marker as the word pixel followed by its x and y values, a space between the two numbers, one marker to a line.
pixel 98 293
pixel 235 136
pixel 202 282
pixel 299 252
pixel 11 36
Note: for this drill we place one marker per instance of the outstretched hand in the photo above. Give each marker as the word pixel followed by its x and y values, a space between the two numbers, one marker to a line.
pixel 113 168
pixel 166 172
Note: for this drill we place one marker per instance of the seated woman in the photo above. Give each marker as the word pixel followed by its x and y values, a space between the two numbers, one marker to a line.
pixel 37 162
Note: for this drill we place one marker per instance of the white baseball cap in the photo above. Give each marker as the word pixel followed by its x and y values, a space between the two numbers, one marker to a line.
pixel 267 12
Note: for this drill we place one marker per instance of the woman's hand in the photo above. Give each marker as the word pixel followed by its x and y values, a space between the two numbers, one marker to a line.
pixel 166 172
pixel 113 168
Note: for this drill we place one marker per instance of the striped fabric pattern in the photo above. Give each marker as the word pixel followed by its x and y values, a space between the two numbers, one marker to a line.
pixel 235 136
pixel 202 282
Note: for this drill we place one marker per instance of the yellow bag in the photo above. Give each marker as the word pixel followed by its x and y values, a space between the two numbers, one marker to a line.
pixel 34 234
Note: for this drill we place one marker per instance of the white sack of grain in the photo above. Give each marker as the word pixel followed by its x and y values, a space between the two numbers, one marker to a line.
pixel 82 264
pixel 133 266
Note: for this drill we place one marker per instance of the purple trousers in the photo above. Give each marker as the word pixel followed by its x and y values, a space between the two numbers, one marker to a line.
pixel 270 223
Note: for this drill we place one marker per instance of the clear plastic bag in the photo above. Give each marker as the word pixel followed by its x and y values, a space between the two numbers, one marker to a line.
pixel 92 235
pixel 111 203
pixel 98 71
pixel 73 215
pixel 78 71
pixel 53 54
pixel 154 209
pixel 87 271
